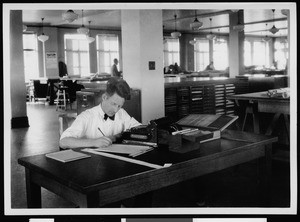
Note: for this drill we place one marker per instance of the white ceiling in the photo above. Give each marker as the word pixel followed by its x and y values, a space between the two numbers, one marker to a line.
pixel 255 20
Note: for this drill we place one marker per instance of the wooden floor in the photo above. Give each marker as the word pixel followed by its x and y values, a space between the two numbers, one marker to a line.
pixel 234 187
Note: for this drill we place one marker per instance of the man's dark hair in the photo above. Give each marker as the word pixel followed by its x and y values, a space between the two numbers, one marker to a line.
pixel 119 86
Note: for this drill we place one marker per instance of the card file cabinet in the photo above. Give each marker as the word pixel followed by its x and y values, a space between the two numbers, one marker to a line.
pixel 204 99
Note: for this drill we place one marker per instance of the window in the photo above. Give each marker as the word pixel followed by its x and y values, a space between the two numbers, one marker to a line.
pixel 171 52
pixel 201 54
pixel 77 54
pixel 30 56
pixel 220 54
pixel 256 52
pixel 247 53
pixel 107 51
pixel 281 53
pixel 261 54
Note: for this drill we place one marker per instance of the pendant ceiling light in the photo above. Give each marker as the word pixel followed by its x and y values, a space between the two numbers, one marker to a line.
pixel 210 36
pixel 24 28
pixel 266 38
pixel 273 30
pixel 43 37
pixel 69 16
pixel 175 34
pixel 285 12
pixel 196 25
pixel 193 42
pixel 89 38
pixel 83 29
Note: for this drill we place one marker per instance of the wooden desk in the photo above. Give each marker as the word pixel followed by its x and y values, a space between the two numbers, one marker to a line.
pixel 261 102
pixel 99 180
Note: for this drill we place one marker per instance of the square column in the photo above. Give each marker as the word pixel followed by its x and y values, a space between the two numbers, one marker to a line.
pixel 236 45
pixel 142 58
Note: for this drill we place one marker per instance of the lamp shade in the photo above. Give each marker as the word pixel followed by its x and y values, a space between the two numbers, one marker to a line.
pixel 210 36
pixel 274 30
pixel 192 42
pixel 285 12
pixel 43 37
pixel 83 30
pixel 176 34
pixel 90 39
pixel 196 25
pixel 69 16
pixel 266 38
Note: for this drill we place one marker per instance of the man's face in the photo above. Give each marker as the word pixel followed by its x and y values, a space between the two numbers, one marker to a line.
pixel 112 104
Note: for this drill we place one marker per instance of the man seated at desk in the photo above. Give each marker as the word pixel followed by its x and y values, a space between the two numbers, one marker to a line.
pixel 101 125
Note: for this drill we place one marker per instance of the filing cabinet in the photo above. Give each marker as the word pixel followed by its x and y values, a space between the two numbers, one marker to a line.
pixel 85 100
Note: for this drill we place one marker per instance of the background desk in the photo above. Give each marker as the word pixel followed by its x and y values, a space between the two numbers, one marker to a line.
pixel 261 102
pixel 98 181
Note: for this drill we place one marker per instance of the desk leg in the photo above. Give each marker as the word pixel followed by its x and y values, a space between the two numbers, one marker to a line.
pixel 252 109
pixel 265 175
pixel 287 125
pixel 272 124
pixel 33 191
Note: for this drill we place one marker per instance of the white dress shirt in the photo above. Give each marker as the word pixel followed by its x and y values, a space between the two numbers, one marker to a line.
pixel 87 123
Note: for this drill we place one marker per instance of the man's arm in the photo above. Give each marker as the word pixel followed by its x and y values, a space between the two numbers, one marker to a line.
pixel 71 142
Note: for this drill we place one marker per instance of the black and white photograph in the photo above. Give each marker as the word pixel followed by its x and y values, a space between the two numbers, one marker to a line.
pixel 132 109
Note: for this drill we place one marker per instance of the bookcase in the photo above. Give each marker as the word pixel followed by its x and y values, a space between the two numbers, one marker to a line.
pixel 199 99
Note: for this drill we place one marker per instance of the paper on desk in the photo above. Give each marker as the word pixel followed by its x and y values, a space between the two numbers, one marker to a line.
pixel 124 149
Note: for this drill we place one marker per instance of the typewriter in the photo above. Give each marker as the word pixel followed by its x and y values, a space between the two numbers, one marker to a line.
pixel 153 134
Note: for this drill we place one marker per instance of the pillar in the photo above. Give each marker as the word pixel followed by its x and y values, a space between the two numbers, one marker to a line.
pixel 236 45
pixel 17 76
pixel 142 55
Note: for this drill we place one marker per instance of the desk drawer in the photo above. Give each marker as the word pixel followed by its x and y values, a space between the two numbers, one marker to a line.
pixel 273 107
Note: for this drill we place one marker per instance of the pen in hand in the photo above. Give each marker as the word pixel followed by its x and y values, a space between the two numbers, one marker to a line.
pixel 101 131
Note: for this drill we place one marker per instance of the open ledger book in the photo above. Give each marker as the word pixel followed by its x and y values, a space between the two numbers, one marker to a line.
pixel 204 127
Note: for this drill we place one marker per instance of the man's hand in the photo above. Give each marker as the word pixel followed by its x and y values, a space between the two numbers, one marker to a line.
pixel 103 142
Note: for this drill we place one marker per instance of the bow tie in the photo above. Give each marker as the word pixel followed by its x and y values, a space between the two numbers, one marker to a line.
pixel 107 116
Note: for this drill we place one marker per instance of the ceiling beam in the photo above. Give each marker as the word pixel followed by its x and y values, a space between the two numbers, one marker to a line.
pixel 201 15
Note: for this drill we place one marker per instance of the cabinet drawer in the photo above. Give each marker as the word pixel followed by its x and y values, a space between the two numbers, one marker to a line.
pixel 85 100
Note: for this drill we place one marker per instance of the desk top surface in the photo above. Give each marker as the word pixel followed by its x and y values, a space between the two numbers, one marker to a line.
pixel 99 172
pixel 258 96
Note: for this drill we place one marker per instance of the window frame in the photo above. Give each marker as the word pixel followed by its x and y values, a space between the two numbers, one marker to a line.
pixel 201 55
pixel 81 39
pixel 112 54
pixel 34 62
pixel 220 40
pixel 171 54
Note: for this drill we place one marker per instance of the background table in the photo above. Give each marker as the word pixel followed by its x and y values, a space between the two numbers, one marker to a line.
pixel 261 102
